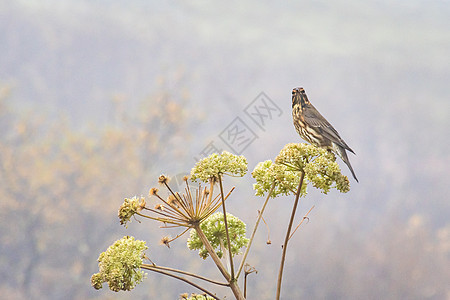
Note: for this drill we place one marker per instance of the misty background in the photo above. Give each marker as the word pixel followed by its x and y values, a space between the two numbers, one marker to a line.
pixel 97 98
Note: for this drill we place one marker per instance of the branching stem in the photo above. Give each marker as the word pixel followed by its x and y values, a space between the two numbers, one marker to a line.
pixel 241 266
pixel 211 252
pixel 146 266
pixel 226 227
pixel 155 269
pixel 288 234
pixel 301 222
pixel 233 284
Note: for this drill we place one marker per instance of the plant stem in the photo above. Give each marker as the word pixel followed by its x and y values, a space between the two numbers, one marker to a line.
pixel 245 285
pixel 288 233
pixel 211 252
pixel 241 266
pixel 147 266
pixel 233 284
pixel 151 268
pixel 226 227
pixel 301 222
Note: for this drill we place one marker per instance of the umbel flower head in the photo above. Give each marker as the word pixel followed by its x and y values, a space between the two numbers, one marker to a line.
pixel 195 297
pixel 214 165
pixel 320 168
pixel 129 208
pixel 120 265
pixel 214 229
pixel 186 209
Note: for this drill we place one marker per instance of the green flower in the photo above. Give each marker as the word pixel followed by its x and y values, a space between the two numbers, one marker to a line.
pixel 196 297
pixel 319 166
pixel 325 174
pixel 214 229
pixel 215 164
pixel 297 156
pixel 286 181
pixel 129 208
pixel 120 265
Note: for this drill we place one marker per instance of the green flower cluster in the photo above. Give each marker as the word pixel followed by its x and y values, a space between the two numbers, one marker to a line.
pixel 215 164
pixel 286 181
pixel 297 156
pixel 196 297
pixel 120 265
pixel 325 174
pixel 129 208
pixel 214 229
pixel 320 168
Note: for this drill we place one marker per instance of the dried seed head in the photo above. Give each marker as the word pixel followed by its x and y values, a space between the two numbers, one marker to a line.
pixel 186 178
pixel 172 201
pixel 163 179
pixel 153 191
pixel 165 241
pixel 159 206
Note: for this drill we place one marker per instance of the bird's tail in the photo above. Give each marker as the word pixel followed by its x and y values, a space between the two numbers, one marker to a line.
pixel 343 154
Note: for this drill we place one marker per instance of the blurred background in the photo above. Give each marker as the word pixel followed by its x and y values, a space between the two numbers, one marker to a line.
pixel 97 98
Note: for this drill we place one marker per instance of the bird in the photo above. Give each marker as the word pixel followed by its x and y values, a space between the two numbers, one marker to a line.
pixel 315 129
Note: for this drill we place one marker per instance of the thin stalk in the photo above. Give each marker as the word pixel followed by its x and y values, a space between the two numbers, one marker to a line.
pixel 164 214
pixel 185 273
pixel 247 271
pixel 288 233
pixel 301 222
pixel 178 235
pixel 211 190
pixel 170 190
pixel 245 285
pixel 150 268
pixel 180 212
pixel 163 220
pixel 241 266
pixel 226 227
pixel 233 284
pixel 211 252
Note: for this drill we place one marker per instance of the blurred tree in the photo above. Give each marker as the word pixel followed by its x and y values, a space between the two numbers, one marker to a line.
pixel 58 187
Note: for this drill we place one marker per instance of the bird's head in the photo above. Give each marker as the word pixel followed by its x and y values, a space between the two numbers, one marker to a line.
pixel 299 97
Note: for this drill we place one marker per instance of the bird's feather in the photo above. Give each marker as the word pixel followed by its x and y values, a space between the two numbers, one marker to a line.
pixel 313 118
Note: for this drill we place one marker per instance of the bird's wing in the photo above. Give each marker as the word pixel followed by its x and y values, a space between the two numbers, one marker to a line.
pixel 314 119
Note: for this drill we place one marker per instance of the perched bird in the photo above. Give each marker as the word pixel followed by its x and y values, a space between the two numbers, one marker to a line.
pixel 314 128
